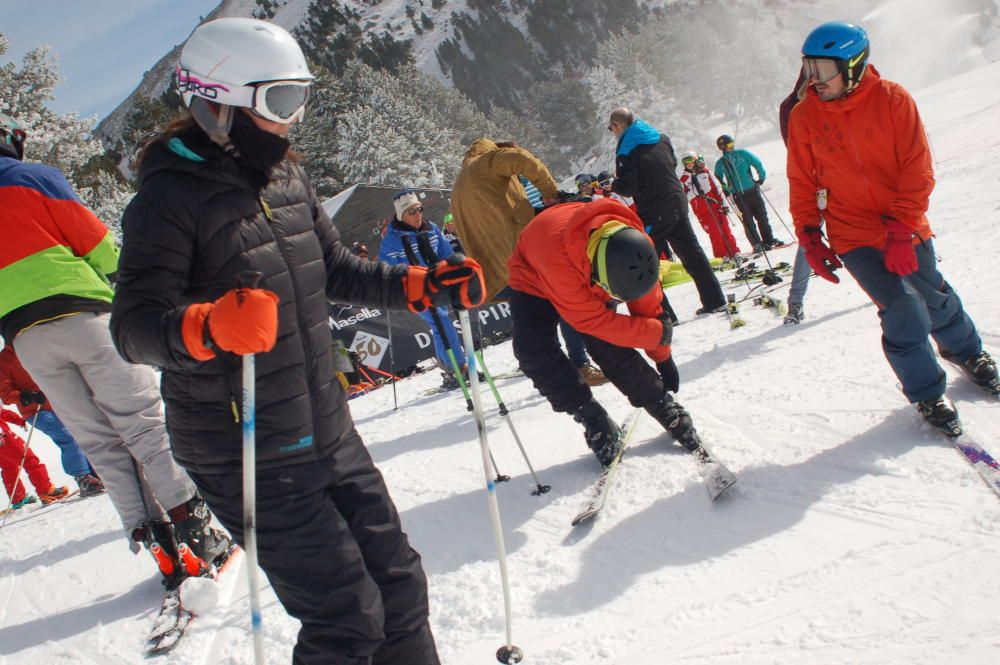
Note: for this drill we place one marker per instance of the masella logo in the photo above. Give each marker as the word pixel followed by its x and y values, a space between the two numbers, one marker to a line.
pixel 340 321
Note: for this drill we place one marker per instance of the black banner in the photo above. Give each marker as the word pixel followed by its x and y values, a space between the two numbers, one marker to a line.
pixel 364 330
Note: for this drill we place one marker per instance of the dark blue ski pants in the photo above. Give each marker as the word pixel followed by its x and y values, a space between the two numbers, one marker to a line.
pixel 911 309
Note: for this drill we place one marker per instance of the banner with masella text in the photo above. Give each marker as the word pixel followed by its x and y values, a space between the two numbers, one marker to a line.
pixel 364 330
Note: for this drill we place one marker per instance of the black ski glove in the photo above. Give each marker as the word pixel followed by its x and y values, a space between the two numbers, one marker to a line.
pixel 29 397
pixel 760 183
pixel 668 372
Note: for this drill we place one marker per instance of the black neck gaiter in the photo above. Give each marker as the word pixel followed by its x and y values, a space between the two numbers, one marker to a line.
pixel 259 150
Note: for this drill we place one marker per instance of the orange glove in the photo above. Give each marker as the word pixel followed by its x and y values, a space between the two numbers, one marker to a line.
pixel 456 281
pixel 242 321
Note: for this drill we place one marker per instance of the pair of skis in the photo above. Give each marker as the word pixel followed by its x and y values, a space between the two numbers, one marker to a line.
pixel 717 477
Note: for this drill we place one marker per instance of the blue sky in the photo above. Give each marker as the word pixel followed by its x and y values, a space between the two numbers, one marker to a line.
pixel 103 47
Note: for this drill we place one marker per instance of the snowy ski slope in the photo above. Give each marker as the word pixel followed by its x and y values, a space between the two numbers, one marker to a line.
pixel 855 534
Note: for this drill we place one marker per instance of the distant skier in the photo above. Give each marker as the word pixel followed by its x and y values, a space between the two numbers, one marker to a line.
pixel 858 158
pixel 801 270
pixel 645 169
pixel 402 232
pixel 735 170
pixel 577 261
pixel 18 389
pixel 708 204
pixel 14 457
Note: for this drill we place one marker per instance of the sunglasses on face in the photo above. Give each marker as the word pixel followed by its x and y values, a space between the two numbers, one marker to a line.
pixel 413 211
pixel 820 70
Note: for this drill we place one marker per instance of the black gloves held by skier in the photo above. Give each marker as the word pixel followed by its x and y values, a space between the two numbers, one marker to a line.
pixel 668 372
pixel 760 183
pixel 29 397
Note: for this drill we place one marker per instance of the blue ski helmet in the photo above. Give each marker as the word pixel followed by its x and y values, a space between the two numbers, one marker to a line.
pixel 843 42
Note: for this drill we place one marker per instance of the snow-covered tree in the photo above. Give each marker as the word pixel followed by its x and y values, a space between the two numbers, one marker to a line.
pixel 60 140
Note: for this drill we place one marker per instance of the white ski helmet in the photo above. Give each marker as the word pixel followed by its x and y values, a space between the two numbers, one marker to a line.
pixel 247 63
pixel 689 157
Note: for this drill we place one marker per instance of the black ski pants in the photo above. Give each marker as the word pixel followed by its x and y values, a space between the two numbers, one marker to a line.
pixel 330 542
pixel 752 210
pixel 536 347
pixel 680 235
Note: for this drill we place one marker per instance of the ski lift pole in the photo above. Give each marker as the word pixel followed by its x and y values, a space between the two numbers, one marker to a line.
pixel 392 358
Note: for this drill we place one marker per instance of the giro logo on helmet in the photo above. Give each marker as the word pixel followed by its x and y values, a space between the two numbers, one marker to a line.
pixel 188 83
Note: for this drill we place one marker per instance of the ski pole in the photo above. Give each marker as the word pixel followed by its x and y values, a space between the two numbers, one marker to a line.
pixel 508 653
pixel 776 213
pixel 392 359
pixel 17 478
pixel 439 326
pixel 249 279
pixel 505 414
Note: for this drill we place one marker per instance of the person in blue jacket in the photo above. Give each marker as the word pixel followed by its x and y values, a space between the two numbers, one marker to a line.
pixel 408 222
pixel 735 170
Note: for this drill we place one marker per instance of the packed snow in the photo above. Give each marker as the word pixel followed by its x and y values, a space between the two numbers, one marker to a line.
pixel 855 534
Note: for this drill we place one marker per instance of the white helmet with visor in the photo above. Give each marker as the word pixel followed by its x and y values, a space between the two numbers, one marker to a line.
pixel 247 63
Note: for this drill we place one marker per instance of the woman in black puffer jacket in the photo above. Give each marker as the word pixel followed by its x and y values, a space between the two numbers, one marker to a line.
pixel 219 195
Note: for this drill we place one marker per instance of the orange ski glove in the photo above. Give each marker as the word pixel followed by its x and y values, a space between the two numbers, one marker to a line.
pixel 242 321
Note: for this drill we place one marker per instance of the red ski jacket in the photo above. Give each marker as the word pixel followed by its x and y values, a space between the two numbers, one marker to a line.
pixel 869 152
pixel 550 261
pixel 13 379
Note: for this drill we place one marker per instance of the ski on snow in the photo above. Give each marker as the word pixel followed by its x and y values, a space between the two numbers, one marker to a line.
pixel 599 494
pixel 173 618
pixel 717 477
pixel 973 452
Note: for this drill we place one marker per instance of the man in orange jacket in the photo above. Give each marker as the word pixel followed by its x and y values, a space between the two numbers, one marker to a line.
pixel 577 261
pixel 858 157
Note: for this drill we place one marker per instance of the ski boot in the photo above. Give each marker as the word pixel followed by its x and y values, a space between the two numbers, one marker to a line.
pixel 90 485
pixel 448 381
pixel 795 314
pixel 982 369
pixel 23 502
pixel 199 545
pixel 592 376
pixel 158 537
pixel 675 419
pixel 603 436
pixel 941 414
pixel 54 494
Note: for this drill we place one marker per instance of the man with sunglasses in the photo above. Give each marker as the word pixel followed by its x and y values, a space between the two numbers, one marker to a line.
pixel 735 170
pixel 220 193
pixel 401 233
pixel 578 261
pixel 858 159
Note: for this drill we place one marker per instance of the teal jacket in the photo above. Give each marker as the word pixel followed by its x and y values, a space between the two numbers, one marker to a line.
pixel 733 170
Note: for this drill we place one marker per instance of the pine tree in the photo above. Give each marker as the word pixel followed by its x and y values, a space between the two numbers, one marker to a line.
pixel 61 140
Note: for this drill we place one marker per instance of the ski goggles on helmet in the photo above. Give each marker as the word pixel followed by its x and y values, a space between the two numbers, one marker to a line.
pixel 820 70
pixel 597 246
pixel 278 101
pixel 688 160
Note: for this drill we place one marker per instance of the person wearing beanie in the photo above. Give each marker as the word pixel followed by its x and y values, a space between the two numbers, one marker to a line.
pixel 401 233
